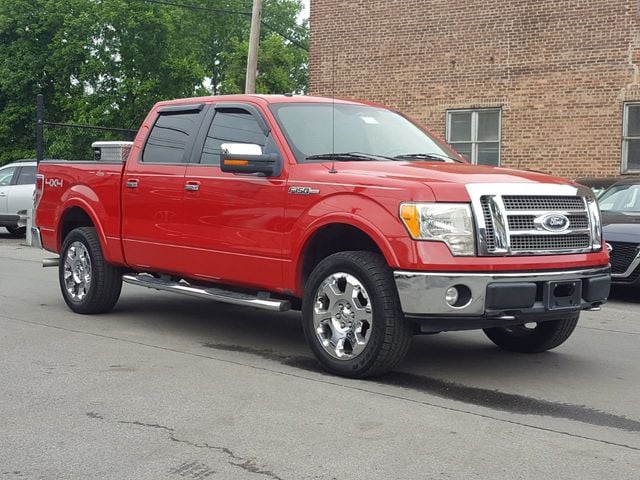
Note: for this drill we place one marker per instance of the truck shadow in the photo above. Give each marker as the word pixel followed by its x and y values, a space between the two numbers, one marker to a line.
pixel 279 336
pixel 460 366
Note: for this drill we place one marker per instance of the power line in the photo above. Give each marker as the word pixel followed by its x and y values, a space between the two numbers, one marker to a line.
pixel 293 41
pixel 290 39
pixel 197 7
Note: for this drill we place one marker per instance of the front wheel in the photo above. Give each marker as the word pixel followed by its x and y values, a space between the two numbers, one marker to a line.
pixel 352 317
pixel 89 284
pixel 533 337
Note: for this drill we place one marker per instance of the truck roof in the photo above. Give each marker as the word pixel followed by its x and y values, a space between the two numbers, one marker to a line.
pixel 268 99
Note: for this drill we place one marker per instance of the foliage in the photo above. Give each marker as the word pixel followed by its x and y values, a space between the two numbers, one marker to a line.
pixel 106 62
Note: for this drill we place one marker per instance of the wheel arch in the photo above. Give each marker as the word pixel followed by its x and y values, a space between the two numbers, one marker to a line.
pixel 75 214
pixel 337 235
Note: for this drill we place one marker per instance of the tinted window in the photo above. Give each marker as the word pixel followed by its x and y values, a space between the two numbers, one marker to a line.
pixel 170 137
pixel 621 198
pixel 231 125
pixel 27 176
pixel 6 175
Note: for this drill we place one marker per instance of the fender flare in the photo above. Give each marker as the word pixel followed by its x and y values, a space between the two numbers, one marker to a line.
pixel 79 196
pixel 351 219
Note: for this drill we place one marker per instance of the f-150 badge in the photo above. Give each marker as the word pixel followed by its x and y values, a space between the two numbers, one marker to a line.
pixel 303 190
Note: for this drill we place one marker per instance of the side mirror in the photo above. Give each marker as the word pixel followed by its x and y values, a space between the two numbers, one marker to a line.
pixel 248 158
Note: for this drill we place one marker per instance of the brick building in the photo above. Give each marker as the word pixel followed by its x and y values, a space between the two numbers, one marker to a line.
pixel 549 85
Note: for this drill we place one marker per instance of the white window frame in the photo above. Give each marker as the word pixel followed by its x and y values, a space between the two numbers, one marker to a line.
pixel 625 138
pixel 474 131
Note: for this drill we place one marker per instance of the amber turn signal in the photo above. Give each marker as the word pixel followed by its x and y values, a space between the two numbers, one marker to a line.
pixel 237 162
pixel 411 218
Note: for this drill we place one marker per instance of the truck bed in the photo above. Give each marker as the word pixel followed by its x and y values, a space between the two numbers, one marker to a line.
pixel 90 185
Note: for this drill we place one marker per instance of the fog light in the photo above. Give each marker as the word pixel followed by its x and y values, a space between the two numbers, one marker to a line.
pixel 451 296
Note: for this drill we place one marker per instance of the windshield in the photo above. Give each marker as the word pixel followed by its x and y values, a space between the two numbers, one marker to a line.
pixel 320 129
pixel 621 198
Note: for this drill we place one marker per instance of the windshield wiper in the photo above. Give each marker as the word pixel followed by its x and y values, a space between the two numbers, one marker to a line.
pixel 348 156
pixel 438 157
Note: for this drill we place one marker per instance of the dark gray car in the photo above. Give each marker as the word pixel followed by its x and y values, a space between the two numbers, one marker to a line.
pixel 620 206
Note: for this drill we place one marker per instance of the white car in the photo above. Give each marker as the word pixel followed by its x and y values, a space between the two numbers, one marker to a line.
pixel 17 183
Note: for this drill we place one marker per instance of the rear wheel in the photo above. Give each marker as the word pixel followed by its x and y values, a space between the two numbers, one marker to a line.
pixel 351 315
pixel 533 337
pixel 89 284
pixel 18 231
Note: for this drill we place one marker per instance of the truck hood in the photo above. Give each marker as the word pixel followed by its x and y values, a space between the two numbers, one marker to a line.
pixel 446 180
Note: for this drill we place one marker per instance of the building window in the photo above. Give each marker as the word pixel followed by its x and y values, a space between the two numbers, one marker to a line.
pixel 631 138
pixel 475 134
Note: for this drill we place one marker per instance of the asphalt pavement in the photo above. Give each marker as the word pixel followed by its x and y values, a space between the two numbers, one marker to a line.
pixel 179 388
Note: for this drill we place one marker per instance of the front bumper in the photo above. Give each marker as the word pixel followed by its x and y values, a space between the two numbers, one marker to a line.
pixel 495 299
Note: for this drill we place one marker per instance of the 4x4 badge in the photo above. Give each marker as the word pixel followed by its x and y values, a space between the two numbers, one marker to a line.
pixel 303 190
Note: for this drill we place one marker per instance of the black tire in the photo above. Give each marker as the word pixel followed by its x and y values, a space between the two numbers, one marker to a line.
pixel 545 335
pixel 390 334
pixel 17 231
pixel 105 284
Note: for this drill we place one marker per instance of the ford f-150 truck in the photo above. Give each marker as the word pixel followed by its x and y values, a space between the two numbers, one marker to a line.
pixel 351 212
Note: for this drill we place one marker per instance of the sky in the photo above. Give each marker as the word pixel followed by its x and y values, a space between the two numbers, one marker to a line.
pixel 305 11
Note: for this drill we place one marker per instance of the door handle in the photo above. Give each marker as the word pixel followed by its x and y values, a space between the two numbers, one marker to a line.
pixel 132 183
pixel 192 186
pixel 2 194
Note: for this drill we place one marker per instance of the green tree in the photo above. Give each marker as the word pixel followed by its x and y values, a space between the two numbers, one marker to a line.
pixel 105 62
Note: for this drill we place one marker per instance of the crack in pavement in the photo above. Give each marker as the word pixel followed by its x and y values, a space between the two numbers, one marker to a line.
pixel 248 465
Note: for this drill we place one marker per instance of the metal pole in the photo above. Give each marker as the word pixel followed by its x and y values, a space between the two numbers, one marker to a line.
pixel 254 41
pixel 39 127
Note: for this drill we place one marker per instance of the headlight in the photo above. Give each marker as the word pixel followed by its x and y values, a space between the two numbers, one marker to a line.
pixel 451 223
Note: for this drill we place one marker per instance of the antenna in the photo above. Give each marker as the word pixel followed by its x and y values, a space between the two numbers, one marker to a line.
pixel 333 111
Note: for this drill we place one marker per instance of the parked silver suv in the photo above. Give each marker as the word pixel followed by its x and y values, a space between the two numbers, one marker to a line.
pixel 17 183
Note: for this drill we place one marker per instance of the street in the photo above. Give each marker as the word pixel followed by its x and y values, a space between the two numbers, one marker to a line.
pixel 173 387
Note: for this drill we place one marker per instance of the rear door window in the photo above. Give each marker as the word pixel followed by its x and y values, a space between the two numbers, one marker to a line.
pixel 171 137
pixel 26 176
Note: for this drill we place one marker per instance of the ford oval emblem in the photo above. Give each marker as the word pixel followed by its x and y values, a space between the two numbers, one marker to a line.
pixel 555 222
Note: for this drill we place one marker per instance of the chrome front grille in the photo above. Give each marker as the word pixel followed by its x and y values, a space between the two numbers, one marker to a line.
pixel 541 219
pixel 550 242
pixel 540 202
pixel 527 222
pixel 489 238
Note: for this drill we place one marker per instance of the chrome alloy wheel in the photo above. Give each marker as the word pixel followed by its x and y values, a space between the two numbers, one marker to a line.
pixel 342 316
pixel 77 271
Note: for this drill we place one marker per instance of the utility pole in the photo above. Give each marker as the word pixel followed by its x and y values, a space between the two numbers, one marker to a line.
pixel 254 41
pixel 39 127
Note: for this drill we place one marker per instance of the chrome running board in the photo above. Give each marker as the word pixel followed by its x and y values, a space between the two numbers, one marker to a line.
pixel 211 293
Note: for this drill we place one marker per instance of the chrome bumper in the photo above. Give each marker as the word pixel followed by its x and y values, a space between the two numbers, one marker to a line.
pixel 495 295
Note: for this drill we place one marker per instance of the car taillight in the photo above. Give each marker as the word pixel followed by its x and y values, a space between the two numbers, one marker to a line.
pixel 37 193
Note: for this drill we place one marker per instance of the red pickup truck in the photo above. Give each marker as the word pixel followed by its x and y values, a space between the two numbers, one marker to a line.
pixel 351 212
